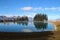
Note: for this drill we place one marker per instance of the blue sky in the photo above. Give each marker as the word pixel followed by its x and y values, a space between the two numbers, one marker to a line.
pixel 30 8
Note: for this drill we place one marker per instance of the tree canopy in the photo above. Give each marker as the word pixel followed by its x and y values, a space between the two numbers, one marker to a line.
pixel 40 17
pixel 23 18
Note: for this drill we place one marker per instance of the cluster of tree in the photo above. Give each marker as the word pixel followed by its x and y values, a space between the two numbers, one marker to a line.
pixel 24 18
pixel 37 17
pixel 40 17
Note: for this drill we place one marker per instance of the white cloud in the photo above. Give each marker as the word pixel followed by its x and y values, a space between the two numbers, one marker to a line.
pixel 46 8
pixel 38 8
pixel 30 14
pixel 53 8
pixel 41 8
pixel 27 8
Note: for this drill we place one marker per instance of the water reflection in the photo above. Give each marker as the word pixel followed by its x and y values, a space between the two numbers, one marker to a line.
pixel 25 27
pixel 23 23
pixel 40 25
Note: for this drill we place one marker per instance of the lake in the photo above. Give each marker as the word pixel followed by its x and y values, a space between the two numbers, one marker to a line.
pixel 25 27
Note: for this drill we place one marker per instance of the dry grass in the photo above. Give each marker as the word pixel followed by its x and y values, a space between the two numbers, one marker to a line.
pixel 56 33
pixel 55 22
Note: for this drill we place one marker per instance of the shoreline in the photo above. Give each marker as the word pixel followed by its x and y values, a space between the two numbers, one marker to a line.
pixel 49 35
pixel 54 26
pixel 28 36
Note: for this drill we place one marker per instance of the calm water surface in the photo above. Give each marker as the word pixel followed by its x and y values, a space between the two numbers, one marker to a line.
pixel 26 27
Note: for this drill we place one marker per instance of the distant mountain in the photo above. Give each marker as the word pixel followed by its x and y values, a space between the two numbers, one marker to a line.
pixel 30 18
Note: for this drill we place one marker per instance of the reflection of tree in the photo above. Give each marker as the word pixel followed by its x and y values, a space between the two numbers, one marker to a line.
pixel 40 25
pixel 23 23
